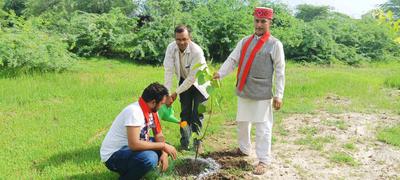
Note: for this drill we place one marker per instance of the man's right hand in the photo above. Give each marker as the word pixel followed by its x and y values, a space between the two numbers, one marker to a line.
pixel 169 101
pixel 173 96
pixel 216 75
pixel 170 150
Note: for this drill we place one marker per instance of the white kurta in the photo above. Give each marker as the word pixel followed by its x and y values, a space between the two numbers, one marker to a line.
pixel 254 111
pixel 257 112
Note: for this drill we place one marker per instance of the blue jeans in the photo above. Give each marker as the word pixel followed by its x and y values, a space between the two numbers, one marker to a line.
pixel 132 164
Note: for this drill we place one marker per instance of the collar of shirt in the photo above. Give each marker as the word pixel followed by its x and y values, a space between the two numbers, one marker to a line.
pixel 257 37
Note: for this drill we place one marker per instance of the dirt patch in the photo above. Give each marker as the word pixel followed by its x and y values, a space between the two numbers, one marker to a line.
pixel 229 159
pixel 232 165
pixel 334 99
pixel 392 92
pixel 305 154
pixel 321 145
pixel 189 168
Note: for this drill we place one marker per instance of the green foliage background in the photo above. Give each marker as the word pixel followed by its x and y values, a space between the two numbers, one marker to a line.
pixel 141 31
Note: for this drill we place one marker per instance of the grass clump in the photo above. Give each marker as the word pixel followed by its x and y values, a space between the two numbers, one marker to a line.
pixel 390 135
pixel 343 158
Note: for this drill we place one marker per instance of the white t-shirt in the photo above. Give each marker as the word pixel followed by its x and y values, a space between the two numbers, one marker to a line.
pixel 117 136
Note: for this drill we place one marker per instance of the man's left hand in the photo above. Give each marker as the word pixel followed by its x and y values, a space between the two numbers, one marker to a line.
pixel 277 103
pixel 163 161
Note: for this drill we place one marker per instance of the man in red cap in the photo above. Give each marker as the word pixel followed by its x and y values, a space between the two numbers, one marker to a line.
pixel 257 57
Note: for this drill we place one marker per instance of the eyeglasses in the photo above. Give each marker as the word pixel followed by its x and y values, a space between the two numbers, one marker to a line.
pixel 262 21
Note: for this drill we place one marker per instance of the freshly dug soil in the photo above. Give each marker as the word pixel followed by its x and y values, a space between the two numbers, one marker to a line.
pixel 201 168
pixel 229 159
pixel 190 167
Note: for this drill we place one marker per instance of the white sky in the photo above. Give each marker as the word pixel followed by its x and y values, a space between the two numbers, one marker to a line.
pixel 353 8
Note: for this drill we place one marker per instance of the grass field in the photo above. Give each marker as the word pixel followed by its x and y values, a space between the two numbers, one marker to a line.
pixel 52 125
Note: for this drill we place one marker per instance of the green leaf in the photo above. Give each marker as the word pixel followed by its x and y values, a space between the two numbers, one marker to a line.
pixel 201 80
pixel 210 89
pixel 208 71
pixel 216 83
pixel 199 73
pixel 201 109
pixel 197 65
pixel 208 77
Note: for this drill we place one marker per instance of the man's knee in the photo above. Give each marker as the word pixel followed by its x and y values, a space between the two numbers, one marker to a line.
pixel 150 160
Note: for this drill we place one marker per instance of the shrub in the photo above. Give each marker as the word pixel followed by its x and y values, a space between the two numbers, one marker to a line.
pixel 28 49
pixel 37 7
pixel 91 34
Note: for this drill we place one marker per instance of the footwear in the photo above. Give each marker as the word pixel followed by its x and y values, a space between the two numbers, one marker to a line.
pixel 260 169
pixel 183 148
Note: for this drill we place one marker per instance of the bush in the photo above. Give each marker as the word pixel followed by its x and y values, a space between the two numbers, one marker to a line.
pixel 38 7
pixel 24 49
pixel 143 29
pixel 221 25
pixel 89 34
pixel 92 34
pixel 16 5
pixel 155 34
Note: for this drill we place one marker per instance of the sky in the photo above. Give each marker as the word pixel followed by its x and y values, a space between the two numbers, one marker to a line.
pixel 353 8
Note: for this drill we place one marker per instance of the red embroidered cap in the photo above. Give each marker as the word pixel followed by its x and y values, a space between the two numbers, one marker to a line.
pixel 263 12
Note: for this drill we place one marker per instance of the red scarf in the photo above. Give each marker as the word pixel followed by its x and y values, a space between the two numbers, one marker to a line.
pixel 146 113
pixel 246 71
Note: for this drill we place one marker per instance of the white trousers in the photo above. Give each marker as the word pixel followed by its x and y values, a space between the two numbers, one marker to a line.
pixel 263 124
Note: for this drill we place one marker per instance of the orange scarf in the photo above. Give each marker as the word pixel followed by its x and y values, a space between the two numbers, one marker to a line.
pixel 246 71
pixel 146 113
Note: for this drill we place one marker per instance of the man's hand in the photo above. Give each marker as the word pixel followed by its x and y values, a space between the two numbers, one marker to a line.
pixel 164 161
pixel 216 75
pixel 169 101
pixel 170 150
pixel 277 103
pixel 173 96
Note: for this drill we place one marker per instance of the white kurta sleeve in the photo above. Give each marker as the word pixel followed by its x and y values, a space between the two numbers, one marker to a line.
pixel 278 57
pixel 231 62
pixel 168 68
pixel 191 78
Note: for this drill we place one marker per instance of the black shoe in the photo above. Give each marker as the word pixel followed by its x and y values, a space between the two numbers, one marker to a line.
pixel 183 148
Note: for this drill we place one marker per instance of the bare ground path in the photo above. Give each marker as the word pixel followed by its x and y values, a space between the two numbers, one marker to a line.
pixel 324 145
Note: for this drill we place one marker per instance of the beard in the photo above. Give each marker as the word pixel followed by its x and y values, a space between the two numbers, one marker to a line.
pixel 154 110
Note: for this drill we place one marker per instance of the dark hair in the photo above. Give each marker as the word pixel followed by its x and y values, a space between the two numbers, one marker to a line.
pixel 154 91
pixel 181 28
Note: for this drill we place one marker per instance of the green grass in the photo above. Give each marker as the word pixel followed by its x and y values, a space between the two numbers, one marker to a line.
pixel 390 135
pixel 52 125
pixel 337 123
pixel 349 146
pixel 393 82
pixel 343 158
pixel 308 130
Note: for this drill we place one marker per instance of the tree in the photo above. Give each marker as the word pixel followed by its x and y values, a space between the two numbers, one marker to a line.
pixel 390 22
pixel 37 7
pixel 309 12
pixel 393 6
pixel 16 5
